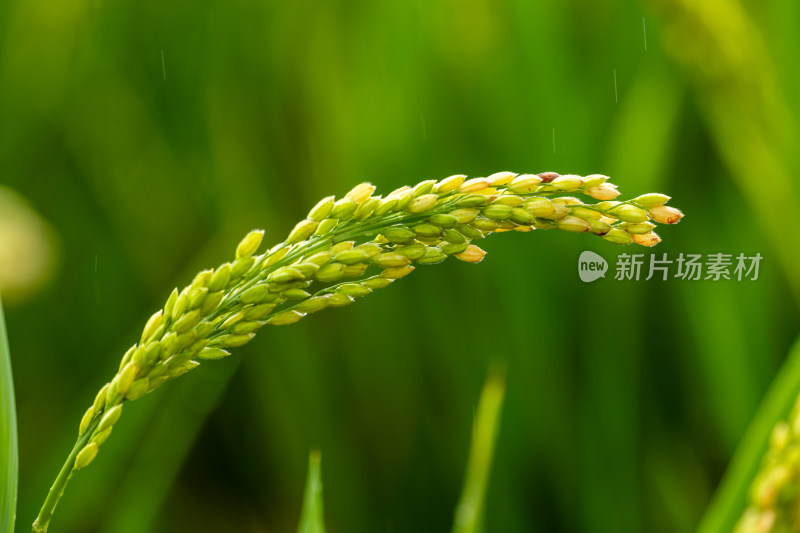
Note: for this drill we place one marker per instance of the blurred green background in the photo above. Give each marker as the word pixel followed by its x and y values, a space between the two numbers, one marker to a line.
pixel 142 139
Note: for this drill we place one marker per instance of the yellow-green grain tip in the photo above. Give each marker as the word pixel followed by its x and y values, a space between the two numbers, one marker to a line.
pixel 366 207
pixel 344 209
pixel 100 398
pixel 212 353
pixel 354 270
pixel 398 235
pixel 352 256
pixel 573 224
pixel 286 274
pixel 241 266
pixel 249 244
pixel 360 192
pixel 432 256
pixel 138 389
pixel 385 205
pixel 356 290
pixel 312 305
pixel 629 213
pixel 605 191
pixel 170 305
pixel 648 239
pixel 330 272
pixel 422 203
pixel 180 370
pixel 443 221
pixel 259 311
pixel 140 356
pixel 302 231
pixel 423 187
pixel 86 420
pixel 86 456
pixel 474 185
pixel 186 322
pixel 221 278
pixel 152 325
pixel 323 208
pixel 211 302
pixel 539 207
pixel 397 272
pixel 234 341
pixel 412 251
pixel 652 199
pixel 110 418
pixel 247 327
pixel 637 228
pixel 427 230
pixel 473 254
pixel 326 226
pixel 665 215
pixel 567 182
pixel 617 236
pixel 525 183
pixel 254 294
pixel 127 376
pixel 285 318
pixel 100 437
pixel 497 212
pixel 390 260
pixel 377 283
pixel 500 178
pixel 450 184
pixel 339 300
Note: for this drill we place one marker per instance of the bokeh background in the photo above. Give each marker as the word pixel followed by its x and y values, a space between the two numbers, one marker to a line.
pixel 139 140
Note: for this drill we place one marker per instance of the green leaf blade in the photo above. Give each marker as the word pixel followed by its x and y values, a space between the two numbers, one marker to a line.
pixel 470 508
pixel 730 498
pixel 9 458
pixel 312 517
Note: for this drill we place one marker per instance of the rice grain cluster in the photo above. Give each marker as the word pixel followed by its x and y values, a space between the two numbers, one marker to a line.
pixel 326 261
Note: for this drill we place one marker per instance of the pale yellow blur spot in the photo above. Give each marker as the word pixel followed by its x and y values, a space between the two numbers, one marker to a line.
pixel 27 255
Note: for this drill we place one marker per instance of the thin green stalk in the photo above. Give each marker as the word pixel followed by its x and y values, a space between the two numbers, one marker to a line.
pixel 730 499
pixel 57 490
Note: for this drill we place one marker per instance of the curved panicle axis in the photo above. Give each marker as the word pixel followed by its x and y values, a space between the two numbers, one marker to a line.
pixel 326 262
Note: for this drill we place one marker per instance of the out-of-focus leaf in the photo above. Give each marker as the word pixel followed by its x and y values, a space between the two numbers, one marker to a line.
pixel 312 518
pixel 9 467
pixel 747 115
pixel 730 499
pixel 469 512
